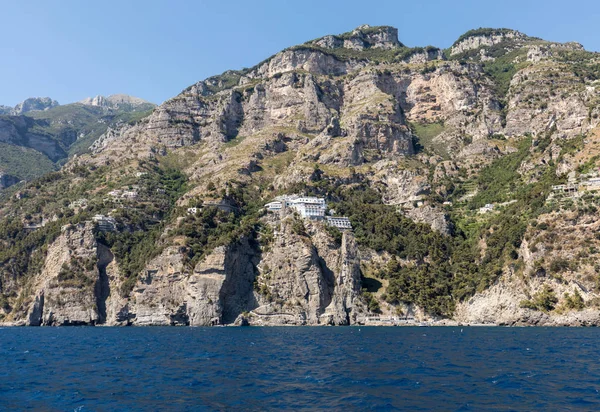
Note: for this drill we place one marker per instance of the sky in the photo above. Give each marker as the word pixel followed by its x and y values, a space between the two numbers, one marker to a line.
pixel 153 49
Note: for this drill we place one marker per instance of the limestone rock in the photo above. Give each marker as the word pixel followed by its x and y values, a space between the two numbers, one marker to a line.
pixel 34 104
pixel 65 291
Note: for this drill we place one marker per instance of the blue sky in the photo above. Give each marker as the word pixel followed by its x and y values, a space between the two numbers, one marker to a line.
pixel 71 49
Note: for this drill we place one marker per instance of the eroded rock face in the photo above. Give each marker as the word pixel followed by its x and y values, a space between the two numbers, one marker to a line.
pixel 318 283
pixel 538 104
pixel 363 37
pixel 65 291
pixel 215 292
pixel 305 279
pixel 476 41
pixel 20 131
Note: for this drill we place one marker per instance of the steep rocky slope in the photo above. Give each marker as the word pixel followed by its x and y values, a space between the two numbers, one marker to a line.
pixel 444 161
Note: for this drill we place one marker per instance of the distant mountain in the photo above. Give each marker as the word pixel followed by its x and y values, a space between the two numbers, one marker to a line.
pixel 117 101
pixel 30 105
pixel 34 104
pixel 51 132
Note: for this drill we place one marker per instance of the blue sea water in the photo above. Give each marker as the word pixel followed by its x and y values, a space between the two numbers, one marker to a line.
pixel 291 368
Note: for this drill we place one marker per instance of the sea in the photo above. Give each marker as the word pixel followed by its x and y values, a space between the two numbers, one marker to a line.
pixel 299 368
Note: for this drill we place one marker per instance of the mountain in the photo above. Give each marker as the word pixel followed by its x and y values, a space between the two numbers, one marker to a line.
pixel 34 104
pixel 29 105
pixel 469 176
pixel 54 132
pixel 119 101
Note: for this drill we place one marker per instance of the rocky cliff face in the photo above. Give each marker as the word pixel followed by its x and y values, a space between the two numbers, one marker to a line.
pixel 305 279
pixel 475 39
pixel 363 37
pixel 468 144
pixel 34 104
pixel 66 291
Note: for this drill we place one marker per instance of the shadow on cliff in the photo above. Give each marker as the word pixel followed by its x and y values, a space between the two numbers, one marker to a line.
pixel 102 288
pixel 237 293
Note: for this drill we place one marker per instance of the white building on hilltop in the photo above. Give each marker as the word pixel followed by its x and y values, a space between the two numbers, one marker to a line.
pixel 307 207
pixel 313 208
pixel 310 207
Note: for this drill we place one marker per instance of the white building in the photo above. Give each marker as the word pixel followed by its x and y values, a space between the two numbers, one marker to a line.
pixel 339 222
pixel 274 206
pixel 79 203
pixel 487 208
pixel 192 210
pixel 130 195
pixel 592 184
pixel 307 207
pixel 105 223
pixel 313 208
pixel 310 207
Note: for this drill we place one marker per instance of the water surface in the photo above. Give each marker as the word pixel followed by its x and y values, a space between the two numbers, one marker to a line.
pixel 351 368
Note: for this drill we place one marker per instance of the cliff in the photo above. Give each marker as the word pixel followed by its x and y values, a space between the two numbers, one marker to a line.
pixel 468 176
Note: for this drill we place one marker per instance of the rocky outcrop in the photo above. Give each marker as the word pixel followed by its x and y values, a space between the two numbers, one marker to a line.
pixel 237 283
pixel 485 37
pixel 34 104
pixel 215 292
pixel 537 104
pixel 65 293
pixel 432 216
pixel 363 37
pixel 305 279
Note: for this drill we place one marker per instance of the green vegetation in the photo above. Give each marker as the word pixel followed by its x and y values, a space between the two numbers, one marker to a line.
pixel 47 138
pixel 429 281
pixel 574 301
pixel 499 181
pixel 372 302
pixel 75 274
pixel 545 300
pixel 234 142
pixel 426 133
pixel 23 162
pixel 483 31
pixel 137 241
pixel 585 65
pixel 21 252
pixel 213 227
pixel 374 55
